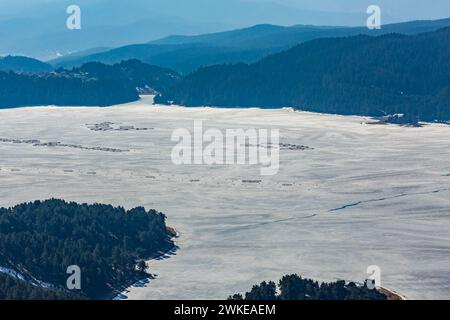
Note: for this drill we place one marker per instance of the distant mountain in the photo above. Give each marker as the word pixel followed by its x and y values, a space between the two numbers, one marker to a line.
pixel 270 36
pixel 79 54
pixel 93 84
pixel 360 75
pixel 187 53
pixel 252 37
pixel 182 58
pixel 38 28
pixel 23 64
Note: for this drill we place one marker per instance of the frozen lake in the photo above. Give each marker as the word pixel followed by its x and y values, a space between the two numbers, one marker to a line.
pixel 364 195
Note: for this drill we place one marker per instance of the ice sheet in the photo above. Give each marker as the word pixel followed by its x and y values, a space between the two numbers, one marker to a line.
pixel 364 195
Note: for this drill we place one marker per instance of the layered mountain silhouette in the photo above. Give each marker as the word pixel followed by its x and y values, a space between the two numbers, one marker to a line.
pixel 39 27
pixel 187 53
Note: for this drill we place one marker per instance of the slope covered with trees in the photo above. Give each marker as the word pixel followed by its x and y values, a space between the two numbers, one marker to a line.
pixel 14 289
pixel 294 287
pixel 63 89
pixel 146 76
pixel 93 84
pixel 40 240
pixel 360 75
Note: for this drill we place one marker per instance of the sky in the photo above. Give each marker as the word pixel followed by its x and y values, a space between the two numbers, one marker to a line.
pixel 399 10
pixel 38 27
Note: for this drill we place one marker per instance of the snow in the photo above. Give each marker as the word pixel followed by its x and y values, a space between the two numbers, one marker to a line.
pixel 12 273
pixel 362 195
pixel 20 276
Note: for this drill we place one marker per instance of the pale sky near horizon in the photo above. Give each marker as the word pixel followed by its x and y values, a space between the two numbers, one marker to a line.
pixel 397 9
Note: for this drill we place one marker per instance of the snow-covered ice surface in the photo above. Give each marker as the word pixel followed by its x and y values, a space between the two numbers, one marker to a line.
pixel 364 195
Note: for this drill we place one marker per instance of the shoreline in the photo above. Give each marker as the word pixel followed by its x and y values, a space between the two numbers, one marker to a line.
pixel 392 295
pixel 149 98
pixel 161 255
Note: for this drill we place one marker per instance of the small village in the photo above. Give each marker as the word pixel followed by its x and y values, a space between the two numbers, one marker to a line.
pixel 111 126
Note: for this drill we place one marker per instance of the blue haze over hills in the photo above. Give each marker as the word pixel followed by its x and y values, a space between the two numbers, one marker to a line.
pixel 37 27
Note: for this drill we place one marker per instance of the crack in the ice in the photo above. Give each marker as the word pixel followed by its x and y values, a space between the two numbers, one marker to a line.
pixel 255 225
pixel 386 198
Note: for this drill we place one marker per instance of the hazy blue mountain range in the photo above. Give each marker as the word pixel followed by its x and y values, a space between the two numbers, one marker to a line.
pixel 269 36
pixel 37 28
pixel 187 53
pixel 359 75
pixel 183 58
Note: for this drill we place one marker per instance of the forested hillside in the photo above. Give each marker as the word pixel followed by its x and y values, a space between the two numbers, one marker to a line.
pixel 358 75
pixel 62 89
pixel 144 75
pixel 40 240
pixel 93 84
pixel 14 289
